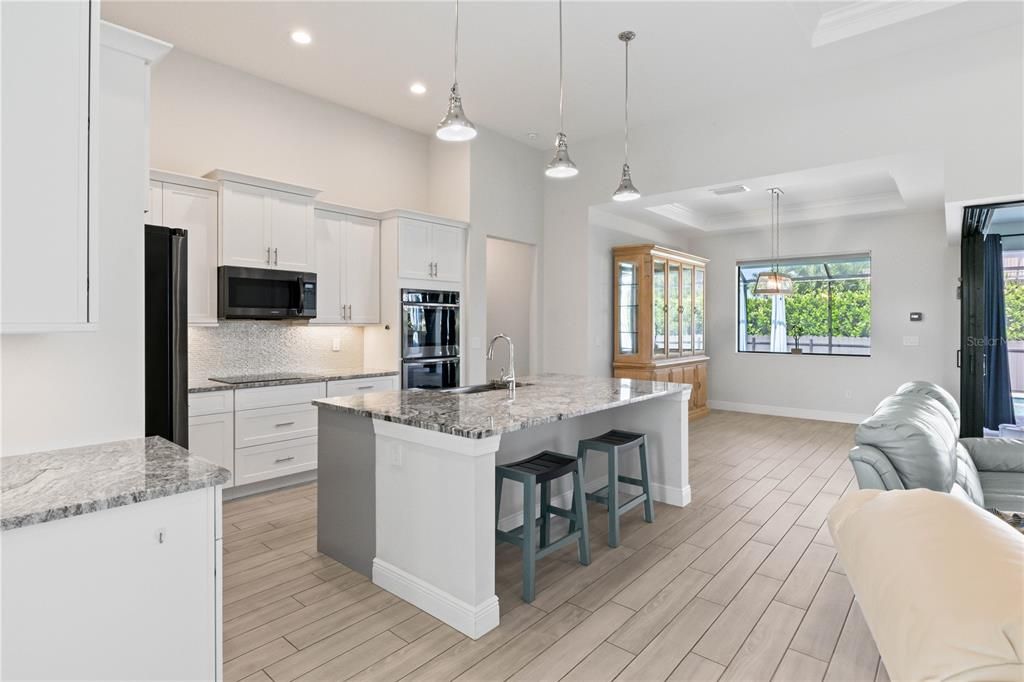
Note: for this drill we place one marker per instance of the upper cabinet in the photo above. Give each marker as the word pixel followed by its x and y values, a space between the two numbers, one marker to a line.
pixel 264 223
pixel 347 268
pixel 49 227
pixel 431 251
pixel 191 204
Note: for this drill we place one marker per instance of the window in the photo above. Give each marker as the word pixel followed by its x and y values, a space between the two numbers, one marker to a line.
pixel 829 312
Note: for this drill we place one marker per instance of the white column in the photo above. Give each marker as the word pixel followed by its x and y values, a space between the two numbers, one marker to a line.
pixel 435 523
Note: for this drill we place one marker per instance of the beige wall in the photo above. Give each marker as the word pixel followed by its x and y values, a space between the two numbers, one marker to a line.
pixel 511 281
pixel 206 115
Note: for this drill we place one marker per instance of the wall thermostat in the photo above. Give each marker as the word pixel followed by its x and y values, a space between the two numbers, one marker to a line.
pixel 916 317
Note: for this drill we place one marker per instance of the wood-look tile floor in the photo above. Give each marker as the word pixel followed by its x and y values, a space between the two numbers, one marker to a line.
pixel 742 584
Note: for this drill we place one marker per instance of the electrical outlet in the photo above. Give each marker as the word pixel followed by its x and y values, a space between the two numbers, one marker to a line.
pixel 336 344
pixel 911 341
pixel 396 458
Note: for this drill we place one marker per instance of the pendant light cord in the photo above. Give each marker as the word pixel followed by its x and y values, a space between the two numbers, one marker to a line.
pixel 561 74
pixel 626 106
pixel 455 81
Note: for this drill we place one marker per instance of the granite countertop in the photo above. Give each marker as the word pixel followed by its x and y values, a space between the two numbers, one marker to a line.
pixel 205 385
pixel 542 399
pixel 46 486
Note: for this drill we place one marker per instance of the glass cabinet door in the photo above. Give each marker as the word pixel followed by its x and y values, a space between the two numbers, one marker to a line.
pixel 698 310
pixel 674 310
pixel 627 282
pixel 659 313
pixel 686 310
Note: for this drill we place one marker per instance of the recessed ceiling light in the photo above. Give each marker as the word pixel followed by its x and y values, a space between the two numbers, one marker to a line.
pixel 301 37
pixel 417 88
pixel 731 189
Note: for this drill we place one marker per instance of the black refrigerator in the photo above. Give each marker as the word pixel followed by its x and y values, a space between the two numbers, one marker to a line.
pixel 167 333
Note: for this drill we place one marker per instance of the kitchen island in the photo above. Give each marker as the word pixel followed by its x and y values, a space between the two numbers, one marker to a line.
pixel 406 478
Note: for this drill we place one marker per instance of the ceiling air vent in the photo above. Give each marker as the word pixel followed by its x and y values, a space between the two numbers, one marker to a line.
pixel 731 189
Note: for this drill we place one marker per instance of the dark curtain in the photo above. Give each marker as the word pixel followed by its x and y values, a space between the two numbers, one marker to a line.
pixel 998 400
pixel 972 321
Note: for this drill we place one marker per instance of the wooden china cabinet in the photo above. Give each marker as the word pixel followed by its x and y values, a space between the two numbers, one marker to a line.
pixel 659 318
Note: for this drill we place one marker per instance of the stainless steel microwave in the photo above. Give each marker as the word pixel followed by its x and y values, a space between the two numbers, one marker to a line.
pixel 264 294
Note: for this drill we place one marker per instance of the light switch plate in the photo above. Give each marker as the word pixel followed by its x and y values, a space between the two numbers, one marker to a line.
pixel 911 341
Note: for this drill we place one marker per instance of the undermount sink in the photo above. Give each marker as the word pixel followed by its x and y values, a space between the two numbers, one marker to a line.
pixel 482 388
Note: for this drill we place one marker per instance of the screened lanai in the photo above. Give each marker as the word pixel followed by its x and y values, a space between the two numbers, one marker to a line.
pixel 828 313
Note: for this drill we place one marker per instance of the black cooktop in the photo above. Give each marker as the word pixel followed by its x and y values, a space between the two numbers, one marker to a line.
pixel 269 376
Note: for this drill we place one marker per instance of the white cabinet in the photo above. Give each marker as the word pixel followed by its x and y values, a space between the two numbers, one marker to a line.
pixel 49 227
pixel 245 226
pixel 193 209
pixel 264 223
pixel 345 387
pixel 275 431
pixel 128 593
pixel 211 428
pixel 430 251
pixel 291 232
pixel 348 268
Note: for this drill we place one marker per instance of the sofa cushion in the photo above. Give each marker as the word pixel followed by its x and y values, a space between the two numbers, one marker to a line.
pixel 967 476
pixel 918 435
pixel 936 392
pixel 940 582
pixel 1004 490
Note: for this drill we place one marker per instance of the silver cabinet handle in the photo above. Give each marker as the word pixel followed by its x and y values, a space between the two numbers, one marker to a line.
pixel 283 459
pixel 268 255
pixel 349 306
pixel 276 426
pixel 275 255
pixel 363 388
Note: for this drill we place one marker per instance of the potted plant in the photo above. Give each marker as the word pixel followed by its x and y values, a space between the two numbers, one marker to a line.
pixel 796 331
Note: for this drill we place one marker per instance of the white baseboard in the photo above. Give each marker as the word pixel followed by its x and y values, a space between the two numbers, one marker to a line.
pixel 677 497
pixel 473 621
pixel 301 478
pixel 796 412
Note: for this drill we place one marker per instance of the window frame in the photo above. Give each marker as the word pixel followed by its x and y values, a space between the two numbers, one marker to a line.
pixel 824 260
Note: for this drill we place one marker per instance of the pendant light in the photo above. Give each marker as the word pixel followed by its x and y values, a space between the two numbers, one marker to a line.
pixel 626 190
pixel 773 282
pixel 455 127
pixel 561 166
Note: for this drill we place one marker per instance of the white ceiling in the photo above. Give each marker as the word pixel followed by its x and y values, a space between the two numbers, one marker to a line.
pixel 687 55
pixel 885 185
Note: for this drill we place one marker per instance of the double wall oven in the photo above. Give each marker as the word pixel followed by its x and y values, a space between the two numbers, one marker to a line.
pixel 430 339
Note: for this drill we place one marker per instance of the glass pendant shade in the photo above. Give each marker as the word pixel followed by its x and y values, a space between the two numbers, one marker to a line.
pixel 455 127
pixel 626 190
pixel 561 166
pixel 773 283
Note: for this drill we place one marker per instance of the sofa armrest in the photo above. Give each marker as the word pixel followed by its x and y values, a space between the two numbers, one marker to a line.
pixel 874 470
pixel 996 454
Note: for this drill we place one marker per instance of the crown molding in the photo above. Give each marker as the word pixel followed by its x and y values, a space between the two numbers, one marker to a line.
pixel 861 17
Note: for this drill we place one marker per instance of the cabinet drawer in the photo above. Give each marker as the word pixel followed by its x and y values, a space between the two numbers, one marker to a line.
pixel 213 402
pixel 357 386
pixel 277 459
pixel 274 424
pixel 271 396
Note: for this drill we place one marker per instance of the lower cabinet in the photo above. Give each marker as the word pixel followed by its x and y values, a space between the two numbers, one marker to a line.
pixel 260 462
pixel 128 593
pixel 694 372
pixel 211 436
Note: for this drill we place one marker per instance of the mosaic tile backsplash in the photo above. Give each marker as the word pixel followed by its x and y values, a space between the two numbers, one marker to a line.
pixel 254 347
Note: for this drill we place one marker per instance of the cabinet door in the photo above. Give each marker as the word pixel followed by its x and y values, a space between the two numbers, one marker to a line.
pixel 659 311
pixel 690 377
pixel 329 231
pixel 448 245
pixel 686 311
pixel 415 257
pixel 195 210
pixel 700 388
pixel 673 310
pixel 698 310
pixel 47 250
pixel 155 203
pixel 361 283
pixel 291 218
pixel 212 437
pixel 626 315
pixel 245 226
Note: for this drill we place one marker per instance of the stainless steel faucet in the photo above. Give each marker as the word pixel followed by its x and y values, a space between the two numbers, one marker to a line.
pixel 508 379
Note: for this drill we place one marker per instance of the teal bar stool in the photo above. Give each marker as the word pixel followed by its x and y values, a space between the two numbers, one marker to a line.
pixel 613 443
pixel 541 470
